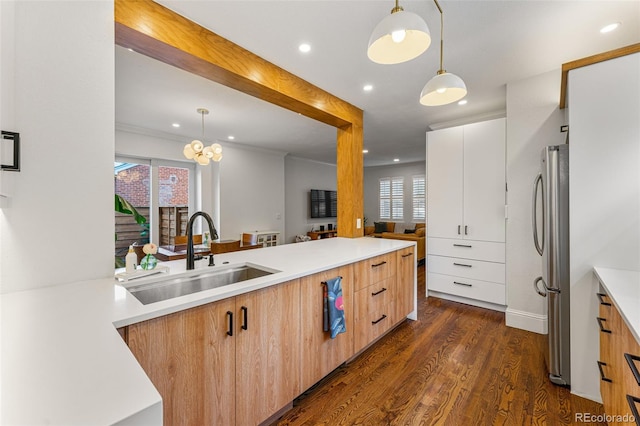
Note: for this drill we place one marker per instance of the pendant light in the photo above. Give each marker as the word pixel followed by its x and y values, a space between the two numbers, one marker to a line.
pixel 398 38
pixel 198 152
pixel 445 87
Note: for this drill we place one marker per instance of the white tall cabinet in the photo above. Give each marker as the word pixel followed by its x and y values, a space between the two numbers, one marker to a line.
pixel 466 190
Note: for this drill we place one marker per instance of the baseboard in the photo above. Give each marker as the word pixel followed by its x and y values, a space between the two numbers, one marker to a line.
pixel 526 321
pixel 467 301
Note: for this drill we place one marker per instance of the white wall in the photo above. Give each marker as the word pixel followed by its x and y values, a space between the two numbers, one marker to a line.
pixel 58 226
pixel 372 176
pixel 604 162
pixel 300 177
pixel 252 191
pixel 533 122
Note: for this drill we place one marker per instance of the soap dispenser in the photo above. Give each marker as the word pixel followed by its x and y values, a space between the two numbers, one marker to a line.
pixel 131 260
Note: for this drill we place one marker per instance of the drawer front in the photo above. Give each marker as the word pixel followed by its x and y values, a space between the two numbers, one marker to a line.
pixel 472 289
pixel 373 311
pixel 467 249
pixel 467 268
pixel 375 269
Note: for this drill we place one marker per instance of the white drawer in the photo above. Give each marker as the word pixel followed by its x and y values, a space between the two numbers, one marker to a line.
pixel 467 268
pixel 472 289
pixel 468 249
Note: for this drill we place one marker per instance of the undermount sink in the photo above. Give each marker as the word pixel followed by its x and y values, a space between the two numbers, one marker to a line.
pixel 180 286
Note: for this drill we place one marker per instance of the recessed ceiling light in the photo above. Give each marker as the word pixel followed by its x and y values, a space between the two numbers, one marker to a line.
pixel 176 125
pixel 396 160
pixel 365 151
pixel 462 102
pixel 367 88
pixel 231 137
pixel 304 48
pixel 130 50
pixel 610 27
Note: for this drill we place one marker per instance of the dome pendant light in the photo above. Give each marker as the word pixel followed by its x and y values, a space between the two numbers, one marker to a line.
pixel 198 152
pixel 445 87
pixel 398 38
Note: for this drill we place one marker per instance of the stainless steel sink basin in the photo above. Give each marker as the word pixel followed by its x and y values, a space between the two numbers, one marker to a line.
pixel 179 286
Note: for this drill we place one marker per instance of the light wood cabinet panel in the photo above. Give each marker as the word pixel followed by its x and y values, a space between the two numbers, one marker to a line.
pixel 373 312
pixel 320 353
pixel 190 359
pixel 374 269
pixel 267 351
pixel 403 294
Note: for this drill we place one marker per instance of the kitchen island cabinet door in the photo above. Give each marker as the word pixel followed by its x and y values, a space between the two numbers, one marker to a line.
pixel 320 353
pixel 267 351
pixel 402 296
pixel 191 361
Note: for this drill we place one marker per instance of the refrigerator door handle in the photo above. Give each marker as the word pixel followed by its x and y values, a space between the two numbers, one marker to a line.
pixel 534 213
pixel 537 289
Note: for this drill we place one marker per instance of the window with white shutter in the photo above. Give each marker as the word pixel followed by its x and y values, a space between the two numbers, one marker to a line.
pixel 419 192
pixel 391 198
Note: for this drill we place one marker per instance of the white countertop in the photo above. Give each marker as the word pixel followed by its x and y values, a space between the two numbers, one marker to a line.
pixel 63 362
pixel 623 287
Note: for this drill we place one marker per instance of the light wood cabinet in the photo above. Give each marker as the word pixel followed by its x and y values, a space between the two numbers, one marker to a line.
pixel 267 351
pixel 618 385
pixel 240 360
pixel 191 361
pixel 403 296
pixel 235 361
pixel 320 353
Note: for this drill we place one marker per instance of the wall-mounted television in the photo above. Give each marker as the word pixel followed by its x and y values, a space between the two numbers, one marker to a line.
pixel 324 203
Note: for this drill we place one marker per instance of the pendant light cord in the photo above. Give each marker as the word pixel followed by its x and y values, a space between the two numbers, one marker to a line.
pixel 441 70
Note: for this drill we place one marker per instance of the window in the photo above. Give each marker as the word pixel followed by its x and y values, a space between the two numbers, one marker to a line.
pixel 419 192
pixel 162 191
pixel 391 198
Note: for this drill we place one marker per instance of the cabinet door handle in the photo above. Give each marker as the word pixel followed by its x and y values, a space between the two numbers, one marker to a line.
pixel 465 230
pixel 632 400
pixel 601 297
pixel 245 321
pixel 602 376
pixel 600 321
pixel 408 254
pixel 378 320
pixel 375 265
pixel 464 284
pixel 458 229
pixel 462 264
pixel 462 245
pixel 378 292
pixel 632 365
pixel 230 316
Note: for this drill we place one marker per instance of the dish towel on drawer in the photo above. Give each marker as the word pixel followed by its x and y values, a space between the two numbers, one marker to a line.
pixel 334 306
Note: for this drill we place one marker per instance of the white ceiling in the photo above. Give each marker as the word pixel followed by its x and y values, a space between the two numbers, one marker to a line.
pixel 487 43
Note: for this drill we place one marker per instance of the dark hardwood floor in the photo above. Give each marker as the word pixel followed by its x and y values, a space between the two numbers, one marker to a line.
pixel 456 365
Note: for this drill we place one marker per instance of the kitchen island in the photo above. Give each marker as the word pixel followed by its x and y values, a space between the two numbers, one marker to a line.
pixel 64 362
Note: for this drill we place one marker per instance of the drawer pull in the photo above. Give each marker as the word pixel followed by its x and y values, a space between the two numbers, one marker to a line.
pixel 632 365
pixel 600 321
pixel 462 245
pixel 602 376
pixel 230 315
pixel 375 265
pixel 245 321
pixel 378 292
pixel 408 254
pixel 601 296
pixel 464 284
pixel 462 264
pixel 378 320
pixel 632 400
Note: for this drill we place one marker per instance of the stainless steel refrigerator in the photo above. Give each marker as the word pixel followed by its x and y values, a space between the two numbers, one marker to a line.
pixel 551 238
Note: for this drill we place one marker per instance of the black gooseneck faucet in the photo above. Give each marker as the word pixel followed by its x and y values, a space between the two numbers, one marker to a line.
pixel 212 231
